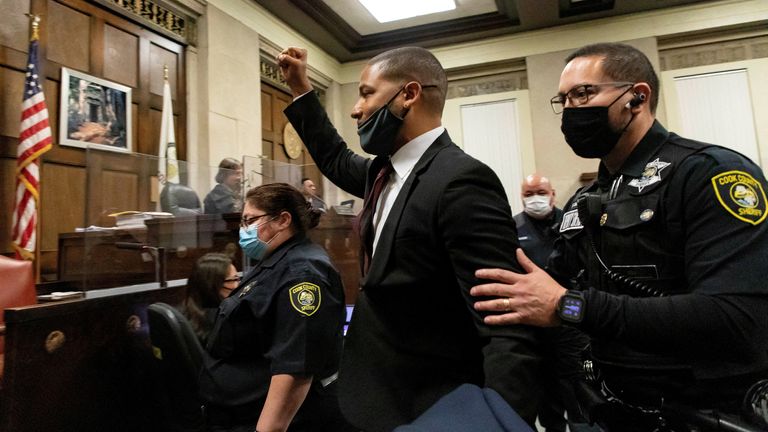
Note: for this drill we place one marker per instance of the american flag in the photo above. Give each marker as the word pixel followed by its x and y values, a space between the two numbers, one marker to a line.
pixel 34 140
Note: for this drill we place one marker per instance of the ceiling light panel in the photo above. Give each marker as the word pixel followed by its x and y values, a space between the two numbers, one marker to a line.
pixel 394 10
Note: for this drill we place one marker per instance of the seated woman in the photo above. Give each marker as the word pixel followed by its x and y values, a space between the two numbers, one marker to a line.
pixel 275 348
pixel 212 279
pixel 225 196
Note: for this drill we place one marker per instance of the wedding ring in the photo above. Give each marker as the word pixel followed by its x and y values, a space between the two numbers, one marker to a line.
pixel 507 304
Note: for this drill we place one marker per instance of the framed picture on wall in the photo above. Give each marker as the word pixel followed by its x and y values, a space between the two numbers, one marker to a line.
pixel 94 112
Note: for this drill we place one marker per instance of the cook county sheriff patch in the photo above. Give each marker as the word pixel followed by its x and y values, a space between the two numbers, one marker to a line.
pixel 741 195
pixel 305 298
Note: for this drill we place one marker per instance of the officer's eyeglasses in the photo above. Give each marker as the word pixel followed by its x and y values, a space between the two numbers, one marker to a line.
pixel 581 94
pixel 245 222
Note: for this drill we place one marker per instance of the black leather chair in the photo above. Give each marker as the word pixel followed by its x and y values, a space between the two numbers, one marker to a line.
pixel 179 357
pixel 180 200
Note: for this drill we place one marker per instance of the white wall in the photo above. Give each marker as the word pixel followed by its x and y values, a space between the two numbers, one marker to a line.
pixel 452 120
pixel 757 71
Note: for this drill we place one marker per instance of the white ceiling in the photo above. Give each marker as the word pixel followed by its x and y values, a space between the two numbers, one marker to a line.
pixel 346 30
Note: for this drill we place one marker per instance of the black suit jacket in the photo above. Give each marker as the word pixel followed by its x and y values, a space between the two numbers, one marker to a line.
pixel 414 335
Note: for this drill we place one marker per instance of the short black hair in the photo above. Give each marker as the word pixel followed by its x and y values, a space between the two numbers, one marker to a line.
pixel 406 64
pixel 623 62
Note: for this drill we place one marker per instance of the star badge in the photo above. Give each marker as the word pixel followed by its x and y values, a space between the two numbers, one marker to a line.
pixel 651 174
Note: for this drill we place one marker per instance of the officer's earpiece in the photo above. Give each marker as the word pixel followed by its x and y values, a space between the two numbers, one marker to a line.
pixel 637 100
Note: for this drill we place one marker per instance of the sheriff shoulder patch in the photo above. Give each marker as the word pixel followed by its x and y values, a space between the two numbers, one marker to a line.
pixel 742 195
pixel 305 298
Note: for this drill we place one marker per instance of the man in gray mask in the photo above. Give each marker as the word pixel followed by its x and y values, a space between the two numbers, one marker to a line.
pixel 432 215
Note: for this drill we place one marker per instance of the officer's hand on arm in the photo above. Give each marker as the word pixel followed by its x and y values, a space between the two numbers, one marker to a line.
pixel 293 66
pixel 529 298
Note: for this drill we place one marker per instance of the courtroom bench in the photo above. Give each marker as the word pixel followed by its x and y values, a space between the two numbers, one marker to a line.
pixel 83 365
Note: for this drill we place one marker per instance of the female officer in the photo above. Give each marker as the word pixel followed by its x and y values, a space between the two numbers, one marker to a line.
pixel 212 279
pixel 274 350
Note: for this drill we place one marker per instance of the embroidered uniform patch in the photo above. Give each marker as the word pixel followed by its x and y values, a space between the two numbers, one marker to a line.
pixel 571 221
pixel 741 195
pixel 651 174
pixel 305 298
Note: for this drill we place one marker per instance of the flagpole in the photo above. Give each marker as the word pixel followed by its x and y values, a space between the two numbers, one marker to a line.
pixel 34 140
pixel 35 27
pixel 36 37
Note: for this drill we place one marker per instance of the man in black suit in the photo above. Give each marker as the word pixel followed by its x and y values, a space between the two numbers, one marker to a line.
pixel 439 216
pixel 309 190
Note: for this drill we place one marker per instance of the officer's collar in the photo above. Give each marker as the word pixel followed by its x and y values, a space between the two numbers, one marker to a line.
pixel 638 159
pixel 281 250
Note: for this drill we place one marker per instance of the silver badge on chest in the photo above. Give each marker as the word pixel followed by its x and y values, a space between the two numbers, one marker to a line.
pixel 651 174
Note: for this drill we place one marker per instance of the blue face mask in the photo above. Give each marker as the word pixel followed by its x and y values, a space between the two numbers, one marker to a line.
pixel 252 245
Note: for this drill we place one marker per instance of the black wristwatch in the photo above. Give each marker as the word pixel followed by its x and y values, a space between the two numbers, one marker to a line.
pixel 571 306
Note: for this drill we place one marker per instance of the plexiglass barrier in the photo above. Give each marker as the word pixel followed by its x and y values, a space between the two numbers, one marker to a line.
pixel 144 227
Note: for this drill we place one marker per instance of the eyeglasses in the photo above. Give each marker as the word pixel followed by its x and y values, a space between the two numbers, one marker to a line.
pixel 581 94
pixel 246 222
pixel 232 279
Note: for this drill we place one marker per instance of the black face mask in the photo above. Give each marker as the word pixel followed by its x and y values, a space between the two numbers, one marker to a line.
pixel 378 132
pixel 588 130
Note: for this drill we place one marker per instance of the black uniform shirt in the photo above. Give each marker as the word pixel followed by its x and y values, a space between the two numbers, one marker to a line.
pixel 537 236
pixel 286 317
pixel 689 218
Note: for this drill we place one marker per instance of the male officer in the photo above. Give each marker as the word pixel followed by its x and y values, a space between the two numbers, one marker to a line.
pixel 536 223
pixel 668 248
pixel 537 228
pixel 432 215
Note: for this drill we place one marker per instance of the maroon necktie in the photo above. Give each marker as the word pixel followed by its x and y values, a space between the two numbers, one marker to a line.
pixel 367 232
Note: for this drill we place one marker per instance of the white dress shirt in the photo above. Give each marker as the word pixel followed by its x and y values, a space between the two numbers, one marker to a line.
pixel 403 162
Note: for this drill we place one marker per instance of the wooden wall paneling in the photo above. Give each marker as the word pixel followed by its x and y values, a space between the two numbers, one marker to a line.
pixel 155 120
pixel 69 36
pixel 119 192
pixel 12 86
pixel 159 57
pixel 266 112
pixel 63 197
pixel 135 125
pixel 273 121
pixel 121 56
pixel 141 96
pixel 163 52
pixel 15 32
pixel 97 51
pixel 117 182
pixel 7 198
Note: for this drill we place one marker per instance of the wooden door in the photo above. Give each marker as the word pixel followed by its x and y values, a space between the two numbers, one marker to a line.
pixel 273 123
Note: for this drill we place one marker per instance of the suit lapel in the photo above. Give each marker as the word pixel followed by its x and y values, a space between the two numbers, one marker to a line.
pixel 386 240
